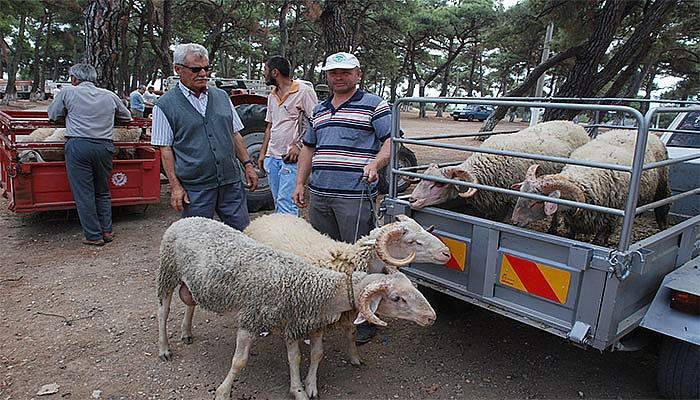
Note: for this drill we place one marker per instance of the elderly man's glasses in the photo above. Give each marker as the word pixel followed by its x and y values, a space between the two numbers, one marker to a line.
pixel 196 69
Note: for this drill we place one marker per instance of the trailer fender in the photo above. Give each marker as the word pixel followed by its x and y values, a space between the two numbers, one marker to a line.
pixel 661 318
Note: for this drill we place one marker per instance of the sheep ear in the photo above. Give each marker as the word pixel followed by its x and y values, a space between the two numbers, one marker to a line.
pixel 551 208
pixel 516 186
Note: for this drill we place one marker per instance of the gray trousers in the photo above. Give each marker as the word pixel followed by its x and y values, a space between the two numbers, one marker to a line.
pixel 89 166
pixel 337 217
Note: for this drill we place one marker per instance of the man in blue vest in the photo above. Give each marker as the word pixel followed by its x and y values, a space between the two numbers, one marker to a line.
pixel 197 127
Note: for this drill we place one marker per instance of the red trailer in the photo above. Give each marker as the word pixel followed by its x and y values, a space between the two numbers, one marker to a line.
pixel 43 185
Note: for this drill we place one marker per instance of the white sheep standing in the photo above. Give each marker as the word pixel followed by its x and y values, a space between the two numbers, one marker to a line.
pixel 554 138
pixel 601 187
pixel 223 270
pixel 404 239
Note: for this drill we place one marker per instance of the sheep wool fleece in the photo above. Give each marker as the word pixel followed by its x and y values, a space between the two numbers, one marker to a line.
pixel 226 270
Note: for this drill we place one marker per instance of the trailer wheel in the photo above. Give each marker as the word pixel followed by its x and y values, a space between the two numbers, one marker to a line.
pixel 253 118
pixel 406 159
pixel 678 375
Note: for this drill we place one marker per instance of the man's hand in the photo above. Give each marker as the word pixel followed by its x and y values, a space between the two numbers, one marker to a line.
pixel 298 196
pixel 292 155
pixel 178 198
pixel 370 171
pixel 251 177
pixel 261 163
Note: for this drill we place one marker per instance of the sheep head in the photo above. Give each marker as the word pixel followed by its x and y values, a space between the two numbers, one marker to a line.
pixel 428 193
pixel 528 210
pixel 409 239
pixel 394 296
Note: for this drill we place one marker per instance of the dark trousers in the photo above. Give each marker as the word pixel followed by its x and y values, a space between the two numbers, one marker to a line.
pixel 228 201
pixel 337 217
pixel 89 166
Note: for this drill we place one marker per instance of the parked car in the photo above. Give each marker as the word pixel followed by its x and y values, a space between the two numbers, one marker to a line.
pixel 684 176
pixel 471 113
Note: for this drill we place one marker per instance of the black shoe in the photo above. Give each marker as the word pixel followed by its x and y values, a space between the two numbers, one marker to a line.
pixel 365 333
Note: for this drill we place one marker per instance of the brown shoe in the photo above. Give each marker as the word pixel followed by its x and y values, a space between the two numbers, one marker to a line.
pixel 108 237
pixel 99 242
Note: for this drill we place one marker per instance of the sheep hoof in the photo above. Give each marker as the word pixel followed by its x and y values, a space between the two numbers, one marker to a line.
pixel 167 355
pixel 311 391
pixel 187 339
pixel 299 394
pixel 223 394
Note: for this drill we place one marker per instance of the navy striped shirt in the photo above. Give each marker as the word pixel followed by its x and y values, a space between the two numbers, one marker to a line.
pixel 346 139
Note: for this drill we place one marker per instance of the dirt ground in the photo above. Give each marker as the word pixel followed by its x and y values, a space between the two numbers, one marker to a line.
pixel 85 319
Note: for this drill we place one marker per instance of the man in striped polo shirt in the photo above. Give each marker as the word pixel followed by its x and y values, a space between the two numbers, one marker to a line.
pixel 346 141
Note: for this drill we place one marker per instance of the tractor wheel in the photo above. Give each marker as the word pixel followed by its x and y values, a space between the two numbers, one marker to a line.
pixel 406 159
pixel 253 118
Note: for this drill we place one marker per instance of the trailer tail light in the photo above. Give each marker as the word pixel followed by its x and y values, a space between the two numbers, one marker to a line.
pixel 685 302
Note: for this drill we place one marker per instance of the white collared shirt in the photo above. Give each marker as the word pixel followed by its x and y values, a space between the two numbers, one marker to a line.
pixel 162 132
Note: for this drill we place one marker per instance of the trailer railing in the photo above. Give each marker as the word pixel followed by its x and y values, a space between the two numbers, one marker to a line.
pixel 643 122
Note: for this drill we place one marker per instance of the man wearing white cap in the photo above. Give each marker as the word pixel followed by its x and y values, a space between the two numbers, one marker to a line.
pixel 346 141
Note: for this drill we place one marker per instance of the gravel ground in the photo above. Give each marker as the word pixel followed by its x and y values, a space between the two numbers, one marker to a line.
pixel 85 319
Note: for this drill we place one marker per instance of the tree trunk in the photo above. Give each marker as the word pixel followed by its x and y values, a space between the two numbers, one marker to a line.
pixel 162 48
pixel 440 108
pixel 124 83
pixel 585 79
pixel 472 70
pixel 37 92
pixel 10 89
pixel 284 32
pixel 102 39
pixel 421 93
pixel 137 71
pixel 4 58
pixel 336 34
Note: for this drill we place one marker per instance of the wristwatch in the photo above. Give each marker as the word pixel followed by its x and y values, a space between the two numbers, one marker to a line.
pixel 248 161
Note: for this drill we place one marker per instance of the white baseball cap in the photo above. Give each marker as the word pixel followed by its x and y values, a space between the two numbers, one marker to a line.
pixel 341 61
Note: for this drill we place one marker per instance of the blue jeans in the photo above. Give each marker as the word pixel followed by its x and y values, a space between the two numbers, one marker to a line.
pixel 228 201
pixel 282 179
pixel 89 166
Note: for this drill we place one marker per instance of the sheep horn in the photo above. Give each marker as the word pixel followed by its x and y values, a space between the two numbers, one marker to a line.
pixel 532 172
pixel 383 253
pixel 567 188
pixel 463 175
pixel 363 303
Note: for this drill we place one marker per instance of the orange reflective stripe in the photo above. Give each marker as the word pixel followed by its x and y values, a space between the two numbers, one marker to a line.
pixel 458 250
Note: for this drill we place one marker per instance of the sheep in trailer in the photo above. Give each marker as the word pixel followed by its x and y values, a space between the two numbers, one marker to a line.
pixel 554 138
pixel 404 239
pixel 223 270
pixel 596 186
pixel 57 135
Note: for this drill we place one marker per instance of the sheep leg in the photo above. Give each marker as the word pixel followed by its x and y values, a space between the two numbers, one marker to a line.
pixel 554 224
pixel 316 357
pixel 186 327
pixel 349 330
pixel 294 359
pixel 661 213
pixel 607 225
pixel 164 352
pixel 240 357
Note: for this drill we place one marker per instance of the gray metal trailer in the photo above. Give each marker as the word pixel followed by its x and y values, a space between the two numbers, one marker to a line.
pixel 591 295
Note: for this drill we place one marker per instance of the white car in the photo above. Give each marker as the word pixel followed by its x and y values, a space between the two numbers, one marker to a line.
pixel 686 175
